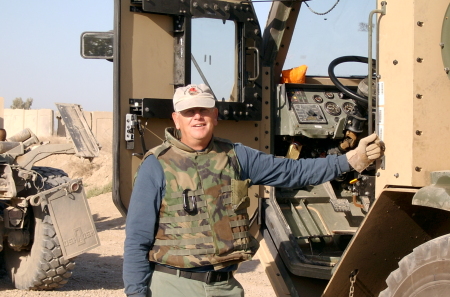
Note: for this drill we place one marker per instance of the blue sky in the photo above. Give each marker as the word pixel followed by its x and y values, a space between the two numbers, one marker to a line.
pixel 40 53
pixel 40 48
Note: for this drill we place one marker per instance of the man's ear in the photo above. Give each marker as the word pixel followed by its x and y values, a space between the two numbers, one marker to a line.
pixel 216 116
pixel 175 116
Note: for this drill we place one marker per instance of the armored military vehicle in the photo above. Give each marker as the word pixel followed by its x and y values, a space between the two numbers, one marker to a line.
pixel 345 237
pixel 46 220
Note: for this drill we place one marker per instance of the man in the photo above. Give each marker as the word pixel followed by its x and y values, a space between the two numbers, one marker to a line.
pixel 187 224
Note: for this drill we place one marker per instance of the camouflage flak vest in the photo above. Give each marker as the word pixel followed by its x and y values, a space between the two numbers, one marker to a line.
pixel 212 227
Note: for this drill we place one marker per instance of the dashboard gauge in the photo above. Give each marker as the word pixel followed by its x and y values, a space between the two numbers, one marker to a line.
pixel 329 95
pixel 318 99
pixel 332 108
pixel 348 107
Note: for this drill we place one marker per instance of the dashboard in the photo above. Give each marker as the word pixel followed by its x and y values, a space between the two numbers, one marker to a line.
pixel 316 111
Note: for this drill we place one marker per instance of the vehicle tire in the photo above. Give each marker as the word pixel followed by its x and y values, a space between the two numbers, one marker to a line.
pixel 424 272
pixel 41 266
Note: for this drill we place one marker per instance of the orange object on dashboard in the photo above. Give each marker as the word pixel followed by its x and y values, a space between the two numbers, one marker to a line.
pixel 295 75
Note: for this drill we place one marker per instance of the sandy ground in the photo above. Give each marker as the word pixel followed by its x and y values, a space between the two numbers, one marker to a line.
pixel 99 271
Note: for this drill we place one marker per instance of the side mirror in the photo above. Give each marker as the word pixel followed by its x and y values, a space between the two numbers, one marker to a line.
pixel 97 45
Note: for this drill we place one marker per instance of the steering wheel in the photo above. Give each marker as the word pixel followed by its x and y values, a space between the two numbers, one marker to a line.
pixel 353 95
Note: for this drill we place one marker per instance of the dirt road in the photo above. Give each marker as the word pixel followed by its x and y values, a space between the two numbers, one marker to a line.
pixel 99 271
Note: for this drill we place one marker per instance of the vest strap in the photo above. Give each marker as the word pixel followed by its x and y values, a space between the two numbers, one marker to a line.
pixel 241 235
pixel 180 206
pixel 244 246
pixel 188 230
pixel 161 148
pixel 183 219
pixel 225 189
pixel 227 201
pixel 191 252
pixel 189 241
pixel 238 223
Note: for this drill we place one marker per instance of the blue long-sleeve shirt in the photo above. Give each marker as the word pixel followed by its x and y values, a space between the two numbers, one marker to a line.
pixel 149 189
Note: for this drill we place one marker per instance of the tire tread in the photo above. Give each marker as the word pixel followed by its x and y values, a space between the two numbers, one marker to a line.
pixel 438 248
pixel 51 270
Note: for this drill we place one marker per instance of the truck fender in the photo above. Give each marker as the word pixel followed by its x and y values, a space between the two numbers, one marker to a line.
pixel 391 230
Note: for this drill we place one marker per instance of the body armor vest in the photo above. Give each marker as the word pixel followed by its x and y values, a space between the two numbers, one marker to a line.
pixel 203 218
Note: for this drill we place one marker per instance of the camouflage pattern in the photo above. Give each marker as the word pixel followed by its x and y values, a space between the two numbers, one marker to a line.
pixel 217 233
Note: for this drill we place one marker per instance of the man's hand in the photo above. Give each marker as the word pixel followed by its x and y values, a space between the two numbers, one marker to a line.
pixel 369 149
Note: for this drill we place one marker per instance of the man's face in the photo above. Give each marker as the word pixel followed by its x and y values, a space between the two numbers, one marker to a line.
pixel 196 126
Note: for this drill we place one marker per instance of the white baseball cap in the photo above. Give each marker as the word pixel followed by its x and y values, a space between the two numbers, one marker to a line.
pixel 193 96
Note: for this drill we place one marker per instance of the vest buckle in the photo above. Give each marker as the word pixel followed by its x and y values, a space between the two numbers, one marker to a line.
pixel 186 205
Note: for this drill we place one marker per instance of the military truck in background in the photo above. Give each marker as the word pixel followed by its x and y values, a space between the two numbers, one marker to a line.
pixel 46 220
pixel 384 232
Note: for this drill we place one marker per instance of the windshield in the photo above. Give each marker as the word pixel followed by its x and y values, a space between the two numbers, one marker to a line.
pixel 213 60
pixel 320 38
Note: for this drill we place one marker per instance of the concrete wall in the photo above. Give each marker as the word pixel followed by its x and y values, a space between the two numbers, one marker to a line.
pixel 42 123
pixel 102 127
pixel 39 121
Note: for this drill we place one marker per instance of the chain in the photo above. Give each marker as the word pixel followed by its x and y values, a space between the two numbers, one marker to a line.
pixel 322 13
pixel 352 282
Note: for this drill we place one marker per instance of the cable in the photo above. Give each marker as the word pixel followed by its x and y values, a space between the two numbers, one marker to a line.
pixel 322 13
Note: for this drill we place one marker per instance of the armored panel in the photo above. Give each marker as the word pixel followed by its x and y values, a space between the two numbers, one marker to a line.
pixel 391 230
pixel 413 113
pixel 165 6
pixel 85 143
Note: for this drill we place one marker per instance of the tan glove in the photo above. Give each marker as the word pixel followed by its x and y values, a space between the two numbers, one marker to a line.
pixel 368 150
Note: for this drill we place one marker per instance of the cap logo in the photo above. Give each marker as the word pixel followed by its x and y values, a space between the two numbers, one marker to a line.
pixel 193 91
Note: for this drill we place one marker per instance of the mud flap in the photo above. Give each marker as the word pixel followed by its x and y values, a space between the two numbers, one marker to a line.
pixel 71 217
